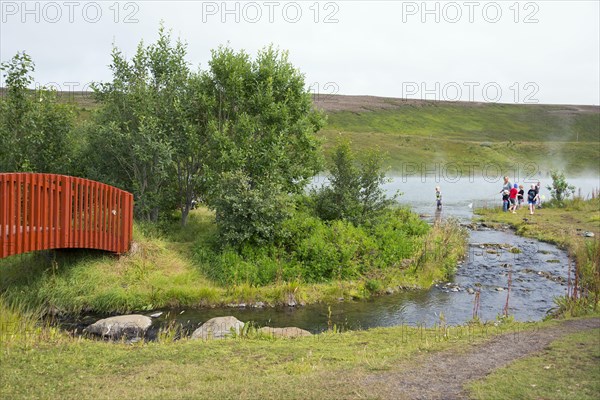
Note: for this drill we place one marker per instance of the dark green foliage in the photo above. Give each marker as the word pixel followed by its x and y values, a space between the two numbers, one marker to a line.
pixel 255 265
pixel 247 213
pixel 313 250
pixel 263 143
pixel 239 136
pixel 35 130
pixel 373 285
pixel 334 251
pixel 343 231
pixel 355 191
pixel 135 140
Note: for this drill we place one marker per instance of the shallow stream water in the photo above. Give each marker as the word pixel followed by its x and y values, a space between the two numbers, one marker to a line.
pixel 538 271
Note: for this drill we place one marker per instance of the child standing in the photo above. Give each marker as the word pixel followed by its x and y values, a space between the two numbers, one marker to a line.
pixel 532 198
pixel 513 198
pixel 438 197
pixel 505 202
pixel 520 196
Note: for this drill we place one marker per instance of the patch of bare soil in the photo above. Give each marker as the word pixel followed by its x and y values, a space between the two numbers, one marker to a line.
pixel 358 104
pixel 443 375
pixel 337 102
pixel 575 109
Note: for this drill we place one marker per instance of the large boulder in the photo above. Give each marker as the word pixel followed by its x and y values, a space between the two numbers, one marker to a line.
pixel 130 326
pixel 218 328
pixel 290 332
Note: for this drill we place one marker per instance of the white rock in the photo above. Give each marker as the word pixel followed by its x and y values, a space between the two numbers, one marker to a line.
pixel 134 325
pixel 218 328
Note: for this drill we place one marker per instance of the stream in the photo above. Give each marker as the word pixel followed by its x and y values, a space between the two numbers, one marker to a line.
pixel 538 271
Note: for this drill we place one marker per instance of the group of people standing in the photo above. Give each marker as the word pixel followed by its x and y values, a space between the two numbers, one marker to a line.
pixel 514 195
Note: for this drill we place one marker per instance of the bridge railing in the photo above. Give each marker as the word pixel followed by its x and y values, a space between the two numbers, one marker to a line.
pixel 48 211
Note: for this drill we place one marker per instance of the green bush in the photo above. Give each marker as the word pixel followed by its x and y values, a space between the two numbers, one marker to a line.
pixel 35 128
pixel 248 213
pixel 398 234
pixel 335 250
pixel 313 250
pixel 355 191
pixel 373 286
pixel 560 189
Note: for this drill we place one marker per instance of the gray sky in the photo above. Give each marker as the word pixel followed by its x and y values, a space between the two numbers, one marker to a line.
pixel 507 51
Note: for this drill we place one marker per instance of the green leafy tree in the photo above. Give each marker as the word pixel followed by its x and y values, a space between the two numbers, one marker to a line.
pixel 151 128
pixel 560 190
pixel 35 129
pixel 171 135
pixel 355 191
pixel 190 143
pixel 264 135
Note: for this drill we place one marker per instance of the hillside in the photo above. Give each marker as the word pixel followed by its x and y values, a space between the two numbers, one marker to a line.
pixel 415 131
pixel 472 135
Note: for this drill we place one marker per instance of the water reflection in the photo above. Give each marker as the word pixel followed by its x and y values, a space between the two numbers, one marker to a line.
pixel 437 218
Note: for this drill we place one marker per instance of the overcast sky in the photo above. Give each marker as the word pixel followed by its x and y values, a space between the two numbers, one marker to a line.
pixel 525 52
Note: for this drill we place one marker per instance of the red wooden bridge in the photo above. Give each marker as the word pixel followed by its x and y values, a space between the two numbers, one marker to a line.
pixel 48 211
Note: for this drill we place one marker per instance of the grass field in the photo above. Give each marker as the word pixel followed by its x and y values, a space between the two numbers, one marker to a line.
pixel 568 369
pixel 561 226
pixel 330 365
pixel 41 363
pixel 552 136
pixel 481 123
pixel 416 131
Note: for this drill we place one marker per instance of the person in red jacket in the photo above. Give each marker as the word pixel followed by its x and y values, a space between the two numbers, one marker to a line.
pixel 512 196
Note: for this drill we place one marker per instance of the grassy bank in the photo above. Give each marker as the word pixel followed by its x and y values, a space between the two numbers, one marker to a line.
pixel 567 369
pixel 331 365
pixel 565 227
pixel 23 326
pixel 164 270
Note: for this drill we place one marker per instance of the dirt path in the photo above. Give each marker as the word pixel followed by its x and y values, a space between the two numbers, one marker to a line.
pixel 443 375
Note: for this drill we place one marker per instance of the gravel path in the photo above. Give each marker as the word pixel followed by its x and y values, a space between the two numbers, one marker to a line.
pixel 443 375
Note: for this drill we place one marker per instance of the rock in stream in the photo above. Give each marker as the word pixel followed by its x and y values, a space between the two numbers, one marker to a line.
pixel 128 326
